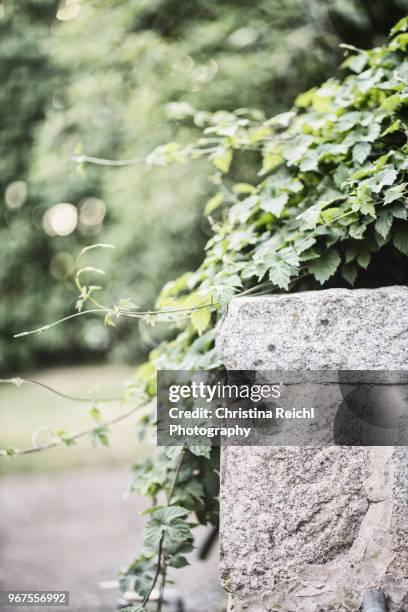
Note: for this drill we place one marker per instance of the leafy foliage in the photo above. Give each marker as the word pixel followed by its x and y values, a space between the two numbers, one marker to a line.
pixel 188 479
pixel 329 208
pixel 331 194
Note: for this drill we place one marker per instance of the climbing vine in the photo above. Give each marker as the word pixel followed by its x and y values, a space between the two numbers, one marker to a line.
pixel 328 207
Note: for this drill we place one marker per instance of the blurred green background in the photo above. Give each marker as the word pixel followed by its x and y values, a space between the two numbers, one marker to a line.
pixel 114 79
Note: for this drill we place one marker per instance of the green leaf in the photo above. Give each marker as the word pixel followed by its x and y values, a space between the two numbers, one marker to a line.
pixel 400 26
pixel 349 272
pixel 222 160
pixel 367 208
pixel 361 151
pixel 280 275
pixel 387 176
pixel 178 562
pixel 329 214
pixel 357 231
pixel 271 161
pixel 394 193
pixel 400 239
pixel 169 521
pixel 213 203
pixel 243 188
pixel 201 319
pixel 310 217
pixel 395 125
pixel 275 205
pixel 170 513
pixel 200 451
pixel 100 435
pixel 151 510
pixel 383 224
pixel 392 103
pixel 65 437
pixel 177 531
pixel 95 414
pixel 363 260
pixel 399 211
pixel 324 268
pixel 356 63
pixel 108 321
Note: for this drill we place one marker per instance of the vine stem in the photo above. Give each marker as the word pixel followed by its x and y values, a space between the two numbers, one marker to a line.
pixel 118 313
pixel 99 161
pixel 27 381
pixel 162 585
pixel 80 434
pixel 161 541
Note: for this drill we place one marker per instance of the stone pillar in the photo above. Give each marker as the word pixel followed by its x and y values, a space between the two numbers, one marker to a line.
pixel 310 529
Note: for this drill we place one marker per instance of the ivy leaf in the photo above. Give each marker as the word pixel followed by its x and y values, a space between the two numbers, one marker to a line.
pixel 222 160
pixel 392 128
pixel 177 531
pixel 357 231
pixel 394 193
pixel 100 435
pixel 223 294
pixel 363 259
pixel 243 188
pixel 368 208
pixel 213 203
pixel 400 239
pixel 388 176
pixel 275 205
pixel 361 151
pixel 392 103
pixel 65 437
pixel 199 315
pixel 167 520
pixel 304 244
pixel 329 214
pixel 400 26
pixel 310 217
pixel 270 161
pixel 170 513
pixel 349 272
pixel 201 319
pixel 108 321
pixel 324 267
pixel 383 224
pixel 356 63
pixel 178 562
pixel 399 211
pixel 280 275
pixel 95 414
pixel 200 451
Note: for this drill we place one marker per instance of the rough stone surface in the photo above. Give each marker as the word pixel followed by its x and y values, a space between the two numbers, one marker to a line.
pixel 310 529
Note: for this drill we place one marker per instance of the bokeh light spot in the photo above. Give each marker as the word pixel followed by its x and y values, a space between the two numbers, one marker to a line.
pixel 91 212
pixel 68 10
pixel 15 194
pixel 60 220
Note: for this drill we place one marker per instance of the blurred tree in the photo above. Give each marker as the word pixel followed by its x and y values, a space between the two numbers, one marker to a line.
pixel 28 78
pixel 130 72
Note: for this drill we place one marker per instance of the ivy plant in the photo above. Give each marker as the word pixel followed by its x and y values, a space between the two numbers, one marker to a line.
pixel 327 207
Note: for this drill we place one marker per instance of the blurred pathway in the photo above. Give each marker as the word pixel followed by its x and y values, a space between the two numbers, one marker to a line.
pixel 70 531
